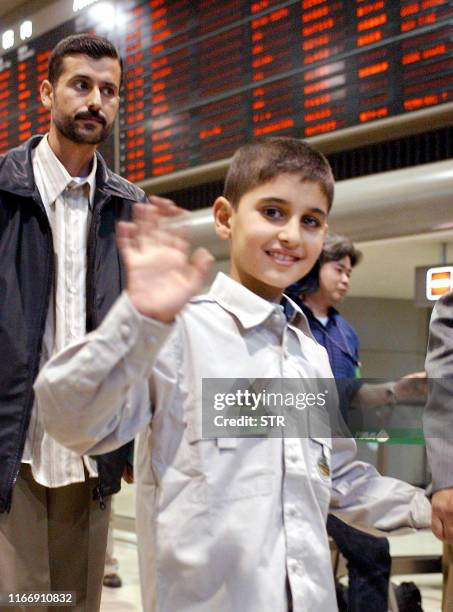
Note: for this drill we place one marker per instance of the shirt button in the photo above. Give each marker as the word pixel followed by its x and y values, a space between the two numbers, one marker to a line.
pixel 293 458
pixel 292 511
pixel 125 330
pixel 152 338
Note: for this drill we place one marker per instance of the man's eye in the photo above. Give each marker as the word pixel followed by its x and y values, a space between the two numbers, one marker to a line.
pixel 81 85
pixel 273 213
pixel 108 91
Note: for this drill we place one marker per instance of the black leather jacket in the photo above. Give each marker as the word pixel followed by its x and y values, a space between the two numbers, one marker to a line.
pixel 26 271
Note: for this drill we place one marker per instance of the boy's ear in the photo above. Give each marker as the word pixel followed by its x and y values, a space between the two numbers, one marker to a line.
pixel 46 91
pixel 222 211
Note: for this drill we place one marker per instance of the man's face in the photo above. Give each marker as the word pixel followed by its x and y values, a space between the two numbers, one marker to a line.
pixel 85 99
pixel 276 234
pixel 334 279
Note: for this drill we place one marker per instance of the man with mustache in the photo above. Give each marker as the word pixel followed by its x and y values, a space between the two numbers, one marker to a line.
pixel 59 274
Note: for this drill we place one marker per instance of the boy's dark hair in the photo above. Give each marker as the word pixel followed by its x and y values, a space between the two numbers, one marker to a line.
pixel 336 247
pixel 263 159
pixel 94 46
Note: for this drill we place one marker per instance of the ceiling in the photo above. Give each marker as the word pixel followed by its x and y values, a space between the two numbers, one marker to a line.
pixel 23 8
pixel 6 6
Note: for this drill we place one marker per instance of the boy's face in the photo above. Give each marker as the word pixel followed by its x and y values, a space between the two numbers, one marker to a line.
pixel 276 233
pixel 334 279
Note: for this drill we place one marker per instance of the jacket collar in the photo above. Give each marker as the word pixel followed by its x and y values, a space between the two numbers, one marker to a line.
pixel 16 174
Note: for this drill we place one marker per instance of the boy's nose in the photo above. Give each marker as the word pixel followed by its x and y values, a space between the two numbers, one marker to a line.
pixel 290 234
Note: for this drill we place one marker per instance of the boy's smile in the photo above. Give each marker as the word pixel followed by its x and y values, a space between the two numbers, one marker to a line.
pixel 276 232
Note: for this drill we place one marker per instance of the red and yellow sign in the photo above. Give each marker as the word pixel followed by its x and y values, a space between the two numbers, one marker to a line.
pixel 439 281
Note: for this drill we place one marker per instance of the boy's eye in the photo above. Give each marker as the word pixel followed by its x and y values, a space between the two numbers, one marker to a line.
pixel 272 212
pixel 311 221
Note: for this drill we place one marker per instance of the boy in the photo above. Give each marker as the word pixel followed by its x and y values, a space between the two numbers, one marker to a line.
pixel 224 524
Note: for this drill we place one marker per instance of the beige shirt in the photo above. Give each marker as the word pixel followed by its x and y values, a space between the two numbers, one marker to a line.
pixel 67 201
pixel 222 523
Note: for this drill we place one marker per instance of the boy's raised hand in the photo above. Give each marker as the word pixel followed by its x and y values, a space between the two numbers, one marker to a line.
pixel 161 278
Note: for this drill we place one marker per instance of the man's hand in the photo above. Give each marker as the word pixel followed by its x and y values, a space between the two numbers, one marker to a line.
pixel 442 517
pixel 128 473
pixel 161 278
pixel 411 387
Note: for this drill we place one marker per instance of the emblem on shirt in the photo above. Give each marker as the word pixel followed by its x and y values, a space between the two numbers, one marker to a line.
pixel 323 466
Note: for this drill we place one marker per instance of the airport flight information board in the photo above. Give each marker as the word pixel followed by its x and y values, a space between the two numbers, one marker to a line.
pixel 204 76
pixel 21 73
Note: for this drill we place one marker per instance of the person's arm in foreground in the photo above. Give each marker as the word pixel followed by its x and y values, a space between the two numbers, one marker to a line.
pixel 438 416
pixel 409 388
pixel 89 394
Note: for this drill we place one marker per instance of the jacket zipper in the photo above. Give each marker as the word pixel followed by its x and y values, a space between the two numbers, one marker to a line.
pixel 90 314
pixel 98 495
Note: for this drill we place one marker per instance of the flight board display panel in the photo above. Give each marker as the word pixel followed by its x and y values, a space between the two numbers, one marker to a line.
pixel 204 76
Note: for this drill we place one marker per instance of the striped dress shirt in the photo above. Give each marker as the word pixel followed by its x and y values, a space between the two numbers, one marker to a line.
pixel 68 202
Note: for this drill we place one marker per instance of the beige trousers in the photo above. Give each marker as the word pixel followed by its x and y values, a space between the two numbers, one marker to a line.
pixel 54 540
pixel 447 571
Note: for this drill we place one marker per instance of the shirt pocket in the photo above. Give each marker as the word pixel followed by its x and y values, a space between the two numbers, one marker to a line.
pixel 231 469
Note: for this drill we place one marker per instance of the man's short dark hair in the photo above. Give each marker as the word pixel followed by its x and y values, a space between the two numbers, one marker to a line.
pixel 91 45
pixel 336 247
pixel 264 159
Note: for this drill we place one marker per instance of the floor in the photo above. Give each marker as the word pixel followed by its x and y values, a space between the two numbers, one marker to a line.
pixel 127 598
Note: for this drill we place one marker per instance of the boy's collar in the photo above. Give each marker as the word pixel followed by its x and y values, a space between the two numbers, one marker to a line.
pixel 250 309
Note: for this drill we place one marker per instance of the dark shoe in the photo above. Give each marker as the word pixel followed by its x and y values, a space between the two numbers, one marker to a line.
pixel 112 580
pixel 408 597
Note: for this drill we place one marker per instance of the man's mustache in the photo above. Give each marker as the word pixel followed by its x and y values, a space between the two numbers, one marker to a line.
pixel 93 115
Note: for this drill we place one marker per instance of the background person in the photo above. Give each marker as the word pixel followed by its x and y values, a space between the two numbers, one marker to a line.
pixel 438 430
pixel 318 295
